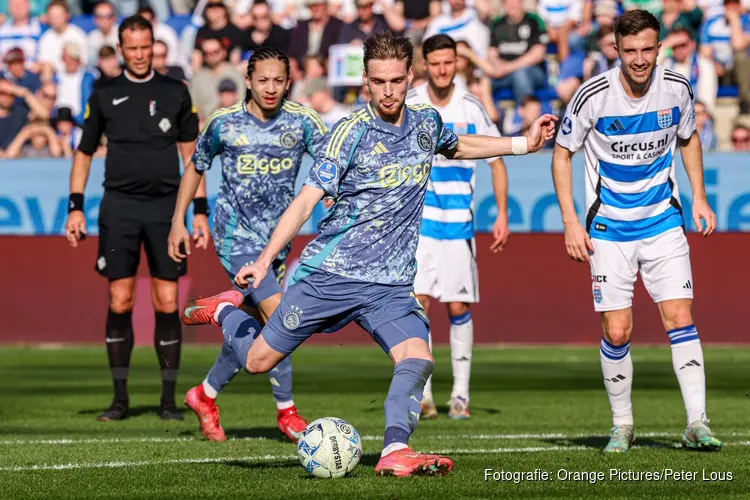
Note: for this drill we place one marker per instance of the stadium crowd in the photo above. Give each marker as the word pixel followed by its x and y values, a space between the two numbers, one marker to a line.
pixel 521 58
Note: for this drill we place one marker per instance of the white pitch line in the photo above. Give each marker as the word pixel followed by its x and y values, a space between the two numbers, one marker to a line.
pixel 439 437
pixel 270 458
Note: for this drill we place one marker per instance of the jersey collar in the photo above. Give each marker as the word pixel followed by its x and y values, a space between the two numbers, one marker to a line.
pixel 259 122
pixel 389 127
pixel 138 80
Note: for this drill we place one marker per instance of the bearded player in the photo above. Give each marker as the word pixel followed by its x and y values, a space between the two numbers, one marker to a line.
pixel 261 143
pixel 446 254
pixel 376 164
pixel 629 120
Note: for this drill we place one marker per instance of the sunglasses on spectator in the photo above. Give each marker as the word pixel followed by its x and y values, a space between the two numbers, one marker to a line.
pixel 736 139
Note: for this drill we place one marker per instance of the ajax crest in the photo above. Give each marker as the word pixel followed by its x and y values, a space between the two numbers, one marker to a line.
pixel 292 318
pixel 424 141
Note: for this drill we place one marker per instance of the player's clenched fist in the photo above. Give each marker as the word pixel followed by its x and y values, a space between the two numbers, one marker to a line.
pixel 577 242
pixel 251 273
pixel 542 130
pixel 75 227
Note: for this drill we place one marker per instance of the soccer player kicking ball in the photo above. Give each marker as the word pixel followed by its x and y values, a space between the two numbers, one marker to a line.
pixel 446 262
pixel 261 143
pixel 628 121
pixel 376 164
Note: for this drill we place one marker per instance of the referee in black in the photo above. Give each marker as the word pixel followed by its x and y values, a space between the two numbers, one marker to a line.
pixel 146 118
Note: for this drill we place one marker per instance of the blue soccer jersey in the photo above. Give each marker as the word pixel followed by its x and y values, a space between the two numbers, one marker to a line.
pixel 378 174
pixel 259 162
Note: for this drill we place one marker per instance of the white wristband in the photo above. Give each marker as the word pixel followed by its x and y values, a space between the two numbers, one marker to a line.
pixel 519 145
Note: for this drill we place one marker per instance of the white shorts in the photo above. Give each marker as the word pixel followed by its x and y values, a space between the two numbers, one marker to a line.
pixel 664 263
pixel 447 270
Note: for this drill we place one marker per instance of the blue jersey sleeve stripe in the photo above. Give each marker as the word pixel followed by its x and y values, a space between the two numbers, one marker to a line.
pixel 451 174
pixel 448 201
pixel 653 121
pixel 628 173
pixel 447 230
pixel 633 200
pixel 617 230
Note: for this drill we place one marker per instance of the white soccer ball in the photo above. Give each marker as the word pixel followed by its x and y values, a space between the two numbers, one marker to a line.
pixel 329 448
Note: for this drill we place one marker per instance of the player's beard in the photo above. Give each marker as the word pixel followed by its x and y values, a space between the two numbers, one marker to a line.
pixel 391 113
pixel 139 76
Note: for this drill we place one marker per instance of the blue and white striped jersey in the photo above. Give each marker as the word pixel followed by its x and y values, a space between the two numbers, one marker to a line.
pixel 449 202
pixel 631 188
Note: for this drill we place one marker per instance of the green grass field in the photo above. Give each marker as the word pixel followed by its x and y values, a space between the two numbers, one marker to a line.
pixel 532 408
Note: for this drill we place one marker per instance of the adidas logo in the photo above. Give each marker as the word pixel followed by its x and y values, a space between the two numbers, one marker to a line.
pixel 615 126
pixel 379 149
pixel 692 362
pixel 688 285
pixel 462 358
pixel 616 378
pixel 242 141
pixel 463 291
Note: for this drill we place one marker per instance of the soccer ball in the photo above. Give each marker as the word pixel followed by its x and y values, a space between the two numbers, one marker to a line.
pixel 329 448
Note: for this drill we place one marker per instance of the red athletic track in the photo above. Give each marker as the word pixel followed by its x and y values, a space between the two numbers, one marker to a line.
pixel 531 293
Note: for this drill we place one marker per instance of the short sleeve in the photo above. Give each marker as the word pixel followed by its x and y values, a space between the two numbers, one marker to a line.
pixel 578 120
pixel 538 32
pixel 447 139
pixel 93 126
pixel 334 155
pixel 315 132
pixel 209 143
pixel 187 118
pixel 687 113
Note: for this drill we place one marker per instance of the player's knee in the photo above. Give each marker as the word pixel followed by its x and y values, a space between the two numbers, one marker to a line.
pixel 456 309
pixel 618 334
pixel 164 297
pixel 678 315
pixel 259 364
pixel 121 299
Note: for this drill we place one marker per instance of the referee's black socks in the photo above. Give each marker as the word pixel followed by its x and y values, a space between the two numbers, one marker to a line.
pixel 168 344
pixel 119 347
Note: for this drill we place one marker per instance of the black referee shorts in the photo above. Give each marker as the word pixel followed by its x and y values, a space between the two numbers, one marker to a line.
pixel 126 223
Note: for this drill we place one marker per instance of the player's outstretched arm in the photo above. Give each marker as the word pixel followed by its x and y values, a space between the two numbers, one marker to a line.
pixel 477 147
pixel 289 225
pixel 189 183
pixel 577 242
pixel 692 158
pixel 75 226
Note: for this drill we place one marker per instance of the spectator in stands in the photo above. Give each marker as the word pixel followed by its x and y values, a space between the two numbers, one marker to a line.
pixel 47 97
pixel 21 31
pixel 218 27
pixel 466 75
pixel 160 64
pixel 68 134
pixel 699 70
pixel 741 137
pixel 725 40
pixel 704 123
pixel 517 51
pixel 227 93
pixel 105 32
pixel 321 100
pixel 74 83
pixel 108 65
pixel 653 6
pixel 605 13
pixel 562 20
pixel 605 57
pixel 60 33
pixel 463 25
pixel 204 86
pixel 316 35
pixel 14 113
pixel 679 14
pixel 163 33
pixel 366 23
pixel 417 15
pixel 35 140
pixel 17 73
pixel 519 123
pixel 313 68
pixel 264 32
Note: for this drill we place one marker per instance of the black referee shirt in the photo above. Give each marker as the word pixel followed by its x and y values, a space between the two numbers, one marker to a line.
pixel 143 122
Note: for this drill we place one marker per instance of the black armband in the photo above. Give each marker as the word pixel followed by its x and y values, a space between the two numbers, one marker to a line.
pixel 75 202
pixel 200 206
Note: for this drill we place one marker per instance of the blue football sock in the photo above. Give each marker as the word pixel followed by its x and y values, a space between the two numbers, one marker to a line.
pixel 402 404
pixel 281 380
pixel 224 369
pixel 240 330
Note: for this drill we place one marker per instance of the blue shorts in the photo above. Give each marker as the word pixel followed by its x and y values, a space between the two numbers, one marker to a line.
pixel 325 302
pixel 271 284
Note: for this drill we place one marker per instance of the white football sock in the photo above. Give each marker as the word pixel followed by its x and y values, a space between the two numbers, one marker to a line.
pixel 462 340
pixel 617 369
pixel 687 360
pixel 393 447
pixel 427 392
pixel 283 405
pixel 219 309
pixel 208 390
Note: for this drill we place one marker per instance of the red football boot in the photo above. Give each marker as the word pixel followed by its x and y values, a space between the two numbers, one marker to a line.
pixel 405 462
pixel 201 311
pixel 207 412
pixel 290 423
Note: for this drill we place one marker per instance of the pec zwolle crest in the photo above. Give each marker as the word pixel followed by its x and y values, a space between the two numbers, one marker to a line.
pixel 664 117
pixel 424 141
pixel 292 318
pixel 288 140
pixel 597 294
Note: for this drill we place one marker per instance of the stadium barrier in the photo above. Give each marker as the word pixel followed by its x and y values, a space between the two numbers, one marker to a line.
pixel 530 293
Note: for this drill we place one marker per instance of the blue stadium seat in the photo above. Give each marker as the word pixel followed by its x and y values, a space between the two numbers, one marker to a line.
pixel 85 22
pixel 545 94
pixel 728 91
pixel 179 22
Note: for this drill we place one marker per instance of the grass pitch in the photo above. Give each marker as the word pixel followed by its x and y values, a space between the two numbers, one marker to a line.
pixel 533 409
